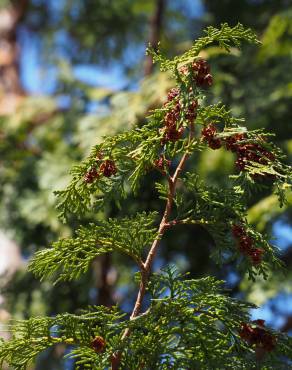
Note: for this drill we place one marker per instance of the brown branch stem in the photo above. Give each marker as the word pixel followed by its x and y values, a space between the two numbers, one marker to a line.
pixel 164 225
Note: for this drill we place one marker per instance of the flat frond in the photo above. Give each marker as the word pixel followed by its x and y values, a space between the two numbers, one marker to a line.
pixel 30 337
pixel 225 37
pixel 71 257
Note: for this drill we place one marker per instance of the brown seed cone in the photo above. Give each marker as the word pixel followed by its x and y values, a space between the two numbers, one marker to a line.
pixel 108 168
pixel 98 344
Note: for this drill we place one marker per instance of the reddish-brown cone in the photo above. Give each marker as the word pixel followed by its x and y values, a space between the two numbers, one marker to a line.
pixel 201 66
pixel 172 116
pixel 108 168
pixel 209 132
pixel 258 335
pixel 161 164
pixel 98 344
pixel 173 93
pixel 171 133
pixel 200 71
pixel 214 143
pixel 231 142
pixel 256 256
pixel 91 175
pixel 246 245
pixel 248 152
pixel 191 113
pixel 238 231
pixel 203 77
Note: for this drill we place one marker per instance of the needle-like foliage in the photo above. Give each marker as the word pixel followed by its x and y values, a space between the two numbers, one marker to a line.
pixel 186 323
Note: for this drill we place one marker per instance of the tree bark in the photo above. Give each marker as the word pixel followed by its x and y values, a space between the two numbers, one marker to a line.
pixel 155 26
pixel 11 91
pixel 105 275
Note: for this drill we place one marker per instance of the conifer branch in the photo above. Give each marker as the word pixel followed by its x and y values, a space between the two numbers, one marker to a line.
pixel 71 257
pixel 164 225
pixel 189 323
pixel 225 36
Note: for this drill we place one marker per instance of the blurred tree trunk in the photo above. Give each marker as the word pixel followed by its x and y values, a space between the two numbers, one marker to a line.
pixel 105 276
pixel 155 26
pixel 287 326
pixel 11 91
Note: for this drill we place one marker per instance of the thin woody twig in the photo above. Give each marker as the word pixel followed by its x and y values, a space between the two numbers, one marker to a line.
pixel 164 225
